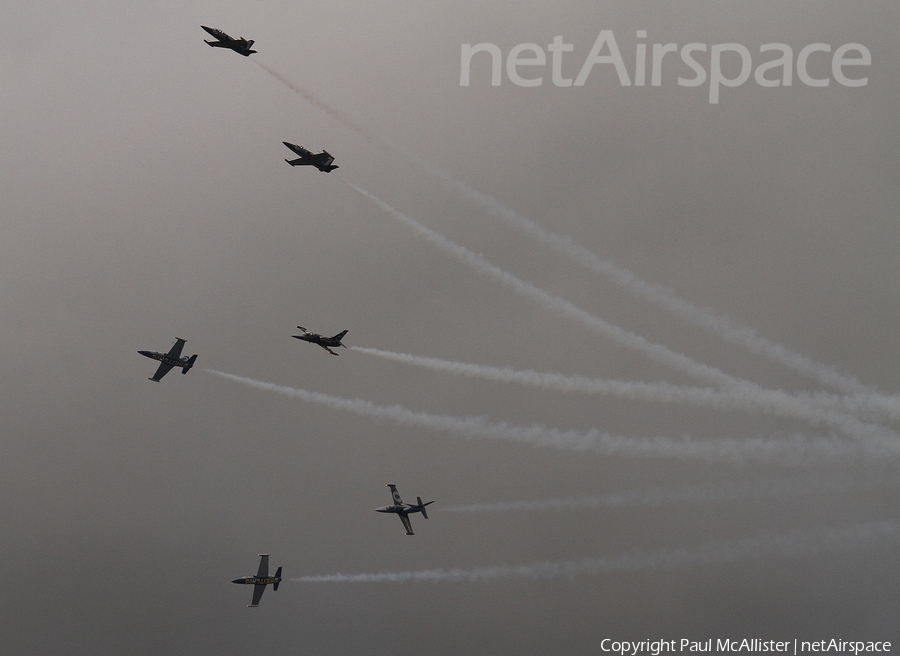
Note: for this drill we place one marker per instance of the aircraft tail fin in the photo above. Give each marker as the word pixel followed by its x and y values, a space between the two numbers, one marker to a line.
pixel 340 335
pixel 277 576
pixel 422 506
pixel 190 363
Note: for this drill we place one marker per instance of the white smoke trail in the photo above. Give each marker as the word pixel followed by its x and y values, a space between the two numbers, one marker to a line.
pixel 797 543
pixel 314 101
pixel 712 492
pixel 719 324
pixel 798 449
pixel 635 391
pixel 849 425
pixel 666 392
pixel 870 407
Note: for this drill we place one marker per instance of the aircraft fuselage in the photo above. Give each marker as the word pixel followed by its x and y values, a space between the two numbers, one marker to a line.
pixel 165 359
pixel 318 339
pixel 257 580
pixel 405 509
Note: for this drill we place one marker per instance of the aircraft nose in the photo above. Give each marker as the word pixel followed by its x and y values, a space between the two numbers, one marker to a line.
pixel 147 353
pixel 382 509
pixel 238 581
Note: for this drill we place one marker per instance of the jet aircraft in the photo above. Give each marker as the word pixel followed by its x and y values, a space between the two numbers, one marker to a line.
pixel 322 161
pixel 324 342
pixel 404 509
pixel 171 359
pixel 261 580
pixel 240 46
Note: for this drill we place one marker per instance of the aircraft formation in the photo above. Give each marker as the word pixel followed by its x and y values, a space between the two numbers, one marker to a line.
pixel 323 162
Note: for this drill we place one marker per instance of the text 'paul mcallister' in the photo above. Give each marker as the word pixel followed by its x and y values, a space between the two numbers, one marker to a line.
pixel 657 647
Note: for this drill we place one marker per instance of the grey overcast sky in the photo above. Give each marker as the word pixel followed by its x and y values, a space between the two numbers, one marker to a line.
pixel 144 197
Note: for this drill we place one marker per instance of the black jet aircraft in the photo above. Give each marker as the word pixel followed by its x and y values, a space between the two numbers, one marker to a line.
pixel 404 509
pixel 171 359
pixel 324 342
pixel 322 161
pixel 261 580
pixel 240 46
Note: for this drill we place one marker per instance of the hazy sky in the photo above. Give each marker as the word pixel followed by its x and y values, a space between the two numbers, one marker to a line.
pixel 144 197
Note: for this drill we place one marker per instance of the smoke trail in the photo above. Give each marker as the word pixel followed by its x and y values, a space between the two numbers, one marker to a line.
pixel 796 449
pixel 635 391
pixel 796 543
pixel 719 324
pixel 666 392
pixel 312 100
pixel 850 425
pixel 870 407
pixel 713 492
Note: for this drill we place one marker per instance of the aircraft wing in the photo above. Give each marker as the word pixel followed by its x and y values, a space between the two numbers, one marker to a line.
pixel 175 351
pixel 162 371
pixel 396 495
pixel 263 567
pixel 407 524
pixel 322 159
pixel 258 590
